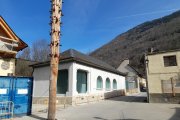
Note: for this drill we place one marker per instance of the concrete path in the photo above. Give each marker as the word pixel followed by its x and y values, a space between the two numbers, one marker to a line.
pixel 120 108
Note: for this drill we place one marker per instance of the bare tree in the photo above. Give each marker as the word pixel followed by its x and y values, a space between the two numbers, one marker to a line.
pixel 25 54
pixel 40 50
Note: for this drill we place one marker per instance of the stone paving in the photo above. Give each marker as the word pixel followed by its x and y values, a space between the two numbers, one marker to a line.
pixel 119 108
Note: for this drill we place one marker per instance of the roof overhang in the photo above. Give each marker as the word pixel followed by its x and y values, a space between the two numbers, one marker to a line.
pixel 11 36
pixel 77 60
pixel 162 52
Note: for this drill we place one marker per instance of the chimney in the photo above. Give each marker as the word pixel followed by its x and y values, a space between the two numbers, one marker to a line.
pixel 150 50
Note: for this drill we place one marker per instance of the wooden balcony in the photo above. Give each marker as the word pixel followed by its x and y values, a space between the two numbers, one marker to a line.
pixel 7 46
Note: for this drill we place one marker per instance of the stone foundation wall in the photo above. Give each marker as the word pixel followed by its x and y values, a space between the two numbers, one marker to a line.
pixel 60 100
pixel 114 93
pixel 132 91
pixel 80 99
pixel 164 98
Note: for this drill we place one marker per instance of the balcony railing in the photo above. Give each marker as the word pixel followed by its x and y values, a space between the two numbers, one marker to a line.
pixel 8 45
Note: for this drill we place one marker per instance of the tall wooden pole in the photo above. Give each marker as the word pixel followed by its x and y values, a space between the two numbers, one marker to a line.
pixel 56 13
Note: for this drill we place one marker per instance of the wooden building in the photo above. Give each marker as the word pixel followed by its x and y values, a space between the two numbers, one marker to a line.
pixel 10 45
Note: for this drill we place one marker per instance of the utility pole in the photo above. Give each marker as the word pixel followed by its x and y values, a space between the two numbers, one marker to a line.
pixel 56 13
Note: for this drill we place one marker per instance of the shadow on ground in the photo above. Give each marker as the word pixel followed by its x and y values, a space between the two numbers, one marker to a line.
pixel 37 117
pixel 141 99
pixel 30 116
pixel 99 118
pixel 176 116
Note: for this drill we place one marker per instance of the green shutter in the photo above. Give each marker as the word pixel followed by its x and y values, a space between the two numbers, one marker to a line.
pixel 108 84
pixel 114 84
pixel 99 83
pixel 81 81
pixel 62 82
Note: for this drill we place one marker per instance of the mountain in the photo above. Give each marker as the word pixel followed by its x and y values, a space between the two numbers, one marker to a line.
pixel 160 34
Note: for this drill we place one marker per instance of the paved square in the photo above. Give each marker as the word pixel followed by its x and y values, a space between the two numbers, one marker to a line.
pixel 120 108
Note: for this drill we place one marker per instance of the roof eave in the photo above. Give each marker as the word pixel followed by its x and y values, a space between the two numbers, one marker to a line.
pixel 24 45
pixel 161 52
pixel 78 61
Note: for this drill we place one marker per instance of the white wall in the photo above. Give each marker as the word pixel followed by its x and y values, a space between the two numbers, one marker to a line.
pixel 41 79
pixel 93 73
pixel 11 69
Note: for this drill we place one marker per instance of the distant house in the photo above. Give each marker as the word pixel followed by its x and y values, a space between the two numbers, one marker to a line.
pixel 10 45
pixel 163 76
pixel 81 78
pixel 132 77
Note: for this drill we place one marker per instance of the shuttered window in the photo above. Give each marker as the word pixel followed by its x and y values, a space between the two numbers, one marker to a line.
pixel 81 81
pixel 99 82
pixel 108 84
pixel 62 82
pixel 114 84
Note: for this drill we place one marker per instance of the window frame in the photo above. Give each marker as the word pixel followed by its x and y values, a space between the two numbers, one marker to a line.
pixel 168 61
pixel 108 89
pixel 114 80
pixel 101 83
pixel 58 81
pixel 86 82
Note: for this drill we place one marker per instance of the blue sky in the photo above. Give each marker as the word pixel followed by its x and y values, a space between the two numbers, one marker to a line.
pixel 87 24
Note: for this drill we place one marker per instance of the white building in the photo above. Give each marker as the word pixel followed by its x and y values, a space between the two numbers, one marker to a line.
pixel 132 77
pixel 81 78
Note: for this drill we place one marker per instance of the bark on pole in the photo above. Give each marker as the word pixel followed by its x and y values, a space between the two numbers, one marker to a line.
pixel 56 13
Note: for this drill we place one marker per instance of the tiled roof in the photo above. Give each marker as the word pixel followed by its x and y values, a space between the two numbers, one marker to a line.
pixel 161 52
pixel 73 55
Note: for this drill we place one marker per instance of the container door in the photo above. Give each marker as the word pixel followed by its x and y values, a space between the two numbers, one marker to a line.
pixel 5 88
pixel 22 95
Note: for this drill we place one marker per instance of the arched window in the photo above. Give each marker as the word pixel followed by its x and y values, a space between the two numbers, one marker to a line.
pixel 108 84
pixel 114 84
pixel 99 82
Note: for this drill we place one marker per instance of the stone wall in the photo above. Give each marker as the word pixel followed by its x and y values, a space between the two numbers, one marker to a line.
pixel 80 99
pixel 164 98
pixel 132 91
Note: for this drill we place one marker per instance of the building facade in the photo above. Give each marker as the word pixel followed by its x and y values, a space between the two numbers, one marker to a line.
pixel 163 76
pixel 132 77
pixel 10 45
pixel 81 78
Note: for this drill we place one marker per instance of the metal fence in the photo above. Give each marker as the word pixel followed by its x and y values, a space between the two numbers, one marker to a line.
pixel 6 110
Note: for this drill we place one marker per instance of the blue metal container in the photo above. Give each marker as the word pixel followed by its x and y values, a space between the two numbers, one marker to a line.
pixel 19 91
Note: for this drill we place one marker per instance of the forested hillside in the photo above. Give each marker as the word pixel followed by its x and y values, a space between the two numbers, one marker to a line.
pixel 160 34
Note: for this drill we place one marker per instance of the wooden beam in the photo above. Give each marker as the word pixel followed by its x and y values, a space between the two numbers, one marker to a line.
pixel 8 29
pixel 8 51
pixel 9 39
pixel 172 84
